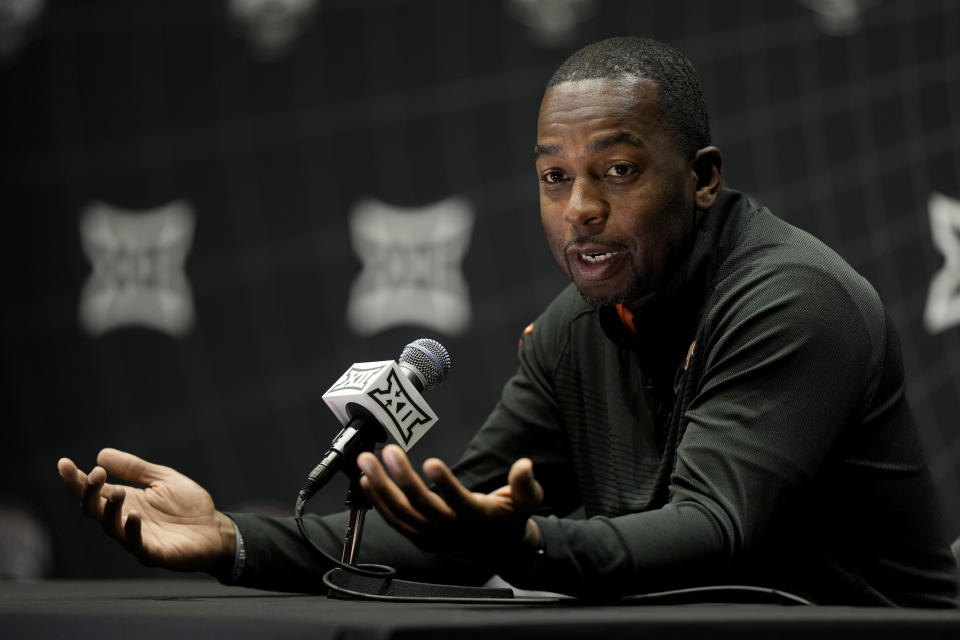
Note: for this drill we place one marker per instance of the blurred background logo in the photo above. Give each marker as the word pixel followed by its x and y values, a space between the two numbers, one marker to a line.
pixel 838 17
pixel 552 23
pixel 138 276
pixel 272 26
pixel 17 19
pixel 411 266
pixel 943 301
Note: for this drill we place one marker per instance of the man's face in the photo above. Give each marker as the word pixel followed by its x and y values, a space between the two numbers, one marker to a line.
pixel 616 194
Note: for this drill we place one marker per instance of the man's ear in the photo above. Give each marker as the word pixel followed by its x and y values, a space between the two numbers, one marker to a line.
pixel 707 166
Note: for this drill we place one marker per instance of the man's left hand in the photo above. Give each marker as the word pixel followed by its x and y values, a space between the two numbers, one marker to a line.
pixel 452 520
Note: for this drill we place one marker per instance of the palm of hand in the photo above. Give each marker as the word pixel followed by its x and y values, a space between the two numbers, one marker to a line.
pixel 177 520
pixel 447 517
pixel 499 504
pixel 170 522
pixel 493 520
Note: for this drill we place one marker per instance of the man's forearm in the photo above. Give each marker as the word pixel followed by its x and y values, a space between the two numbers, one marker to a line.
pixel 616 556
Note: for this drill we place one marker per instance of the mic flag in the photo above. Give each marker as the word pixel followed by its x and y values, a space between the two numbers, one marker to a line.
pixel 386 392
pixel 373 399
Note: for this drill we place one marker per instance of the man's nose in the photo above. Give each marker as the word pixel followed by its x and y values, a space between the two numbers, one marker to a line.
pixel 586 205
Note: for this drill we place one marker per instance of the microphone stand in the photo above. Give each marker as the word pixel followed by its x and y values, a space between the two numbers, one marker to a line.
pixel 343 585
pixel 358 505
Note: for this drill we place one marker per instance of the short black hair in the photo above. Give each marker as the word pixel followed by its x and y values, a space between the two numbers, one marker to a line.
pixel 680 97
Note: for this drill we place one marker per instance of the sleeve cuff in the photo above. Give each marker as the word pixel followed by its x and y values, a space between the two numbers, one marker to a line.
pixel 524 567
pixel 239 560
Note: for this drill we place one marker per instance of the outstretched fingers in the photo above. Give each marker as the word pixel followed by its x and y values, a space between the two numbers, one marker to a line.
pixel 91 500
pixel 426 502
pixel 129 467
pixel 453 493
pixel 387 498
pixel 112 519
pixel 100 500
pixel 89 488
pixel 71 476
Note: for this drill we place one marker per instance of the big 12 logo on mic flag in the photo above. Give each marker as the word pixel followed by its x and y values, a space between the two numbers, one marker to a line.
pixel 384 391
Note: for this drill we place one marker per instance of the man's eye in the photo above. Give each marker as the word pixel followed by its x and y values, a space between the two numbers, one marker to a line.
pixel 620 170
pixel 552 177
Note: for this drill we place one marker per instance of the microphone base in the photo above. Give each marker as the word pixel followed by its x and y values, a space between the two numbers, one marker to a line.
pixel 348 586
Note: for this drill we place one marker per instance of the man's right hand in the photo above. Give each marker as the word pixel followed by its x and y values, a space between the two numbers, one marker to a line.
pixel 171 522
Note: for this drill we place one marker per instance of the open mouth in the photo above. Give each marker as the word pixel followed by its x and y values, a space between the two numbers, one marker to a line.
pixel 596 264
pixel 596 258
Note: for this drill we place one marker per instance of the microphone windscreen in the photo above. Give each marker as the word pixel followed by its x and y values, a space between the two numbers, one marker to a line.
pixel 430 358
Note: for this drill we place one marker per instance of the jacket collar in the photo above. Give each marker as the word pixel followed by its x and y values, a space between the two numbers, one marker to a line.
pixel 667 323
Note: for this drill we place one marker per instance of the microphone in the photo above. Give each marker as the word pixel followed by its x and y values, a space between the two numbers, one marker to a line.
pixel 374 399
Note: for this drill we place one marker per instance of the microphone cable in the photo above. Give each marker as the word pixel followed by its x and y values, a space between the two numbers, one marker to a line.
pixel 367 570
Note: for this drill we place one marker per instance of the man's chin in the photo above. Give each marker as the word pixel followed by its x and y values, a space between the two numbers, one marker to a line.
pixel 633 296
pixel 600 302
pixel 607 300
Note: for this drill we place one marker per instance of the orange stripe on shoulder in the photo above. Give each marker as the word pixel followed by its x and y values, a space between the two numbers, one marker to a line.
pixel 526 331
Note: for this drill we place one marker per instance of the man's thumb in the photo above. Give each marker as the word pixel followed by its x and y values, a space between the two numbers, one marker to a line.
pixel 526 492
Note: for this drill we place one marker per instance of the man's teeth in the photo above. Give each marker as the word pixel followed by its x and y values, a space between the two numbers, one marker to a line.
pixel 596 257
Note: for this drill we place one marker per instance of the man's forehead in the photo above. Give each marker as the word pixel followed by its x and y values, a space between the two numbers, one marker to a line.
pixel 596 142
pixel 626 99
pixel 629 89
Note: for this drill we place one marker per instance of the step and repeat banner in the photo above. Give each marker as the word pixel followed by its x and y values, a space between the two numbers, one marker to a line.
pixel 212 208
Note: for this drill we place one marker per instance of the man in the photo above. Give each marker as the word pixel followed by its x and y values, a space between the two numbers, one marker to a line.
pixel 718 390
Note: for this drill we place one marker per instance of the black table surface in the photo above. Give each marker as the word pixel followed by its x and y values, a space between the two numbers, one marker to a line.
pixel 165 608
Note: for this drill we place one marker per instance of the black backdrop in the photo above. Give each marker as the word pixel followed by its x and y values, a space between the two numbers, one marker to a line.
pixel 838 115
